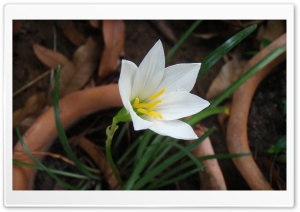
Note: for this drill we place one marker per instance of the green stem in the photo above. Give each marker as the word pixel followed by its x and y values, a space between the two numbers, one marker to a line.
pixel 110 131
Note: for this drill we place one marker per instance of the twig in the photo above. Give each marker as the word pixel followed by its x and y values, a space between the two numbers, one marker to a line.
pixel 31 83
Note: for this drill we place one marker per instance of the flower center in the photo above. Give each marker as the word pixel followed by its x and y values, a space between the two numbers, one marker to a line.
pixel 148 108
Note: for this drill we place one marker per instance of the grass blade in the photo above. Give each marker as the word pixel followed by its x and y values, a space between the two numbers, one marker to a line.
pixel 60 130
pixel 44 168
pixel 218 53
pixel 178 178
pixel 188 164
pixel 195 119
pixel 143 142
pixel 188 153
pixel 256 68
pixel 170 161
pixel 142 162
pixel 54 171
pixel 121 135
pixel 128 151
pixel 162 153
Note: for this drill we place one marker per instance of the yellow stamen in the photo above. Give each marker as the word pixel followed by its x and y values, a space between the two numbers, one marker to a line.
pixel 153 105
pixel 150 113
pixel 136 102
pixel 147 108
pixel 154 96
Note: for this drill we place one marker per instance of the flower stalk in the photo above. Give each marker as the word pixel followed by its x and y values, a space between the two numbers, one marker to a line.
pixel 110 131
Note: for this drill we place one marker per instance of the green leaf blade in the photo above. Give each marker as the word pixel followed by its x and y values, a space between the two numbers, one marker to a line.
pixel 228 45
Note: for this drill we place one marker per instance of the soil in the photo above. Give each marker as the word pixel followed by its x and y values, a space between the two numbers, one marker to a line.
pixel 267 119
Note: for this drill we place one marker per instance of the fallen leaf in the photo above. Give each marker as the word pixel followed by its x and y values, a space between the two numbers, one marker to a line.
pixel 70 31
pixel 229 73
pixel 165 29
pixel 76 73
pixel 272 30
pixel 34 104
pixel 99 158
pixel 211 177
pixel 114 39
pixel 49 57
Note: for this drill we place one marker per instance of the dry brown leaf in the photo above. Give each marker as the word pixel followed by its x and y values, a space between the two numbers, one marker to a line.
pixel 33 105
pixel 165 29
pixel 99 158
pixel 229 73
pixel 114 39
pixel 49 57
pixel 272 30
pixel 72 33
pixel 211 177
pixel 77 73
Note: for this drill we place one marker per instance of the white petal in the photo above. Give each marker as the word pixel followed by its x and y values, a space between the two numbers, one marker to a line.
pixel 150 72
pixel 128 70
pixel 176 129
pixel 138 122
pixel 180 77
pixel 180 104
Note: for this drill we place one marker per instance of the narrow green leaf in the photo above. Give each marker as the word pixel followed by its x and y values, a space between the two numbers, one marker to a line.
pixel 188 164
pixel 178 178
pixel 170 161
pixel 57 179
pixel 60 130
pixel 196 118
pixel 121 135
pixel 143 142
pixel 54 171
pixel 158 155
pixel 141 165
pixel 256 68
pixel 188 153
pixel 217 54
pixel 128 151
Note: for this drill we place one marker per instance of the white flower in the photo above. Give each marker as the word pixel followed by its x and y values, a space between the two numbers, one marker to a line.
pixel 156 97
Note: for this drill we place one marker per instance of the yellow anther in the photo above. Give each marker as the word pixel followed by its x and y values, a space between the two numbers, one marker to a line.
pixel 136 102
pixel 154 96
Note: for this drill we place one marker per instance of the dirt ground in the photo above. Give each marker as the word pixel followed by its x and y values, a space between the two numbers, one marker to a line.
pixel 267 120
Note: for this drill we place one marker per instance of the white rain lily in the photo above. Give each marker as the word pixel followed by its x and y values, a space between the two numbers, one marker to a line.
pixel 156 97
